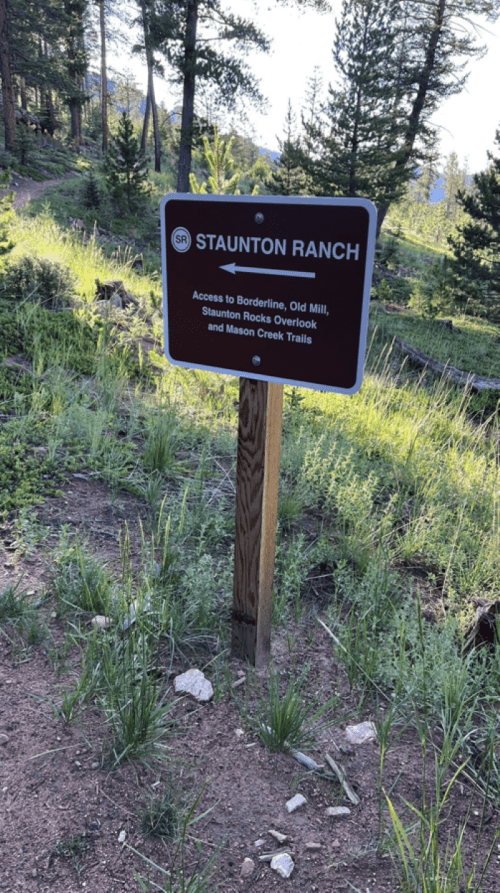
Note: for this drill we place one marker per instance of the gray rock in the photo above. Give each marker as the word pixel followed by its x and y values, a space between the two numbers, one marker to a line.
pixel 361 733
pixel 194 683
pixel 4 739
pixel 337 812
pixel 312 845
pixel 100 621
pixel 295 802
pixel 247 868
pixel 283 864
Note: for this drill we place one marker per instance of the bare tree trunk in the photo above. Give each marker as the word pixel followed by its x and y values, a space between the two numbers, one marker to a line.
pixel 151 88
pixel 22 90
pixel 186 146
pixel 9 113
pixel 104 79
pixel 145 126
pixel 154 111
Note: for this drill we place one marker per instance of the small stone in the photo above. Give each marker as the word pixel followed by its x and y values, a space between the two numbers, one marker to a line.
pixel 34 873
pixel 312 845
pixel 77 763
pixel 295 802
pixel 361 733
pixel 121 837
pixel 4 739
pixel 337 812
pixel 260 842
pixel 335 844
pixel 247 868
pixel 283 864
pixel 95 765
pixel 278 835
pixel 194 683
pixel 100 621
pixel 239 733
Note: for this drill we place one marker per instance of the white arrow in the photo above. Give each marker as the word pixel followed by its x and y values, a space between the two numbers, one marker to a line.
pixel 232 268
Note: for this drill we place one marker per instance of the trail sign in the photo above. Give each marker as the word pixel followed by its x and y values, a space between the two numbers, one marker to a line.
pixel 270 288
pixel 275 290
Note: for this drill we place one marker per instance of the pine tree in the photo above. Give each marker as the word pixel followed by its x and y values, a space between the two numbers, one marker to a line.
pixel 355 148
pixel 476 262
pixel 125 167
pixel 221 164
pixel 289 176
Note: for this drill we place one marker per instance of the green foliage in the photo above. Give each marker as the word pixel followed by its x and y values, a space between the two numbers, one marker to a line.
pixel 288 177
pixel 287 721
pixel 220 165
pixel 162 818
pixel 91 195
pixel 6 214
pixel 356 145
pixel 476 247
pixel 125 167
pixel 74 848
pixel 80 583
pixel 32 278
pixel 26 475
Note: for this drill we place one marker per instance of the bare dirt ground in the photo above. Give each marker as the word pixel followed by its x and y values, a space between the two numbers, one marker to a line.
pixel 62 816
pixel 27 190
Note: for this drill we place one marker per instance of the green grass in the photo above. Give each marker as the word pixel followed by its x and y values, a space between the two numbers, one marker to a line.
pixel 474 345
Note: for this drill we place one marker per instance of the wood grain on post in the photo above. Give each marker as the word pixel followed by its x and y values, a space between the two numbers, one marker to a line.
pixel 257 483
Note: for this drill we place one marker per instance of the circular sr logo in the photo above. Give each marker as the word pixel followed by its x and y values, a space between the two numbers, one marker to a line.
pixel 181 239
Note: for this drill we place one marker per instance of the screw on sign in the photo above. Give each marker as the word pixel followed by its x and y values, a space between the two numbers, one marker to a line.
pixel 275 290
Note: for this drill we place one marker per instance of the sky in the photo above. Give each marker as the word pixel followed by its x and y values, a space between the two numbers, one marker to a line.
pixel 303 40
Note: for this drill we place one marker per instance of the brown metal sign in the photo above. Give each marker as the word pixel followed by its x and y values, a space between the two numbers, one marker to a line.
pixel 272 288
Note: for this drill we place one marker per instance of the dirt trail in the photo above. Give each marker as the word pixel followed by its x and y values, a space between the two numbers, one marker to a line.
pixel 26 189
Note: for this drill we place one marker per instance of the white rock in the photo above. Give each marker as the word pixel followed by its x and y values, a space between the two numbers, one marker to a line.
pixel 100 621
pixel 121 837
pixel 283 864
pixel 295 802
pixel 361 733
pixel 277 835
pixel 337 812
pixel 194 683
pixel 247 868
pixel 312 845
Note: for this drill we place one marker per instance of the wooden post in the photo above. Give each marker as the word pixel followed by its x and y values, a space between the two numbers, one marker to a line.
pixel 257 482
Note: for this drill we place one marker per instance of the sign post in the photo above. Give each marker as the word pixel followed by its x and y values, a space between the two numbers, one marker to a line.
pixel 275 290
pixel 257 484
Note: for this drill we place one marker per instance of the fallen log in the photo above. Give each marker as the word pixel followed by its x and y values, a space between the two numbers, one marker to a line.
pixel 464 379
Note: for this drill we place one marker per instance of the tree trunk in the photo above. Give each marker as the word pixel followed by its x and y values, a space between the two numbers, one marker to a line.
pixel 104 79
pixel 51 118
pixel 9 113
pixel 186 146
pixel 145 126
pixel 154 111
pixel 151 88
pixel 22 91
pixel 423 82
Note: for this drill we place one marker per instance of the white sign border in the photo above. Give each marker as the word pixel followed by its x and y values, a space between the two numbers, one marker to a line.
pixel 275 200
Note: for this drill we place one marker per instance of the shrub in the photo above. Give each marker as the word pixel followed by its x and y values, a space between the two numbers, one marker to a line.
pixel 31 278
